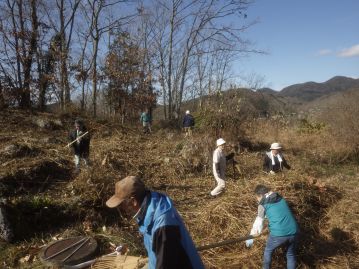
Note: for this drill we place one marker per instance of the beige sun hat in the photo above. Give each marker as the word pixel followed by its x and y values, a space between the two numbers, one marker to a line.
pixel 276 146
pixel 124 189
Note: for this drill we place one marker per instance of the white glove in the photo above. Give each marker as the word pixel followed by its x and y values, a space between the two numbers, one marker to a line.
pixel 257 226
pixel 271 172
pixel 249 243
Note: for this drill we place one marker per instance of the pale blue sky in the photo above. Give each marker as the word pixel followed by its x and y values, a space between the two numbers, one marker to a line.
pixel 306 40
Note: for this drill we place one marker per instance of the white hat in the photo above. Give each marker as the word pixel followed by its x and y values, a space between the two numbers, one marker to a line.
pixel 187 112
pixel 220 142
pixel 275 146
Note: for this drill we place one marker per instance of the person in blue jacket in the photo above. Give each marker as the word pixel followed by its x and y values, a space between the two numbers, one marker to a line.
pixel 283 228
pixel 166 239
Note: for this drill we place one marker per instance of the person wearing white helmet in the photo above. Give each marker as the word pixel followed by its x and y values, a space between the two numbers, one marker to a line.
pixel 188 123
pixel 219 167
pixel 274 161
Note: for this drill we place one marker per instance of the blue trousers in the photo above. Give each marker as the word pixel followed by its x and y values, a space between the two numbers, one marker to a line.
pixel 273 242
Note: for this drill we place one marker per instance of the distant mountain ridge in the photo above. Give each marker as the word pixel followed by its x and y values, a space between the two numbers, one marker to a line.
pixel 266 101
pixel 309 91
pixel 267 90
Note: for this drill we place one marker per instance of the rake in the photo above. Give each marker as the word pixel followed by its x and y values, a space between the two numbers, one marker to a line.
pixel 119 262
pixel 112 261
pixel 131 262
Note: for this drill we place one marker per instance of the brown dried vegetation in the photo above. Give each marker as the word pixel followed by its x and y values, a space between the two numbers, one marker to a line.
pixel 47 201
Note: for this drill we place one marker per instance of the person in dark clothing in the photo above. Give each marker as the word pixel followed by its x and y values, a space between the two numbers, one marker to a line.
pixel 274 160
pixel 166 239
pixel 81 147
pixel 283 228
pixel 188 123
pixel 6 232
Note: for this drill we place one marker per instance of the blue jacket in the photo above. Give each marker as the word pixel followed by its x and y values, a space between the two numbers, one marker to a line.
pixel 166 239
pixel 188 120
pixel 281 219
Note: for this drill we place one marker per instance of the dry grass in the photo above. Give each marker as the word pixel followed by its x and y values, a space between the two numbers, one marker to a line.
pixel 327 210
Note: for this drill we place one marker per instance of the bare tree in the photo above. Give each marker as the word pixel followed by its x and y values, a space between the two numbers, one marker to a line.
pixel 64 37
pixel 254 81
pixel 98 27
pixel 181 27
pixel 28 53
pixel 83 67
pixel 19 31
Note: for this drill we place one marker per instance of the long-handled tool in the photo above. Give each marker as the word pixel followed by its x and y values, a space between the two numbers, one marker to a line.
pixel 226 242
pixel 113 260
pixel 69 144
pixel 116 260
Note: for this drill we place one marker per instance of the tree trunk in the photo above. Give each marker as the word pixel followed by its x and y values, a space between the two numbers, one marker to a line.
pixel 94 76
pixel 42 82
pixel 25 94
pixel 2 100
pixel 183 79
pixel 17 46
pixel 64 83
pixel 83 94
pixel 169 77
pixel 42 94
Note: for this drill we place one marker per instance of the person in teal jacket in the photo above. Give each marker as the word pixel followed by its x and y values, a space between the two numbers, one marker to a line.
pixel 166 239
pixel 146 121
pixel 283 228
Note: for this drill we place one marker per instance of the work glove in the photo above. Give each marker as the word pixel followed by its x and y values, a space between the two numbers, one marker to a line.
pixel 249 243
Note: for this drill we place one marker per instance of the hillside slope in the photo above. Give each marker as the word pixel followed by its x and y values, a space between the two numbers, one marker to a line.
pixel 309 91
pixel 47 201
pixel 267 102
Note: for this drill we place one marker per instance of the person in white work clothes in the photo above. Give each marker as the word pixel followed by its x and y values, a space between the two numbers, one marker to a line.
pixel 219 167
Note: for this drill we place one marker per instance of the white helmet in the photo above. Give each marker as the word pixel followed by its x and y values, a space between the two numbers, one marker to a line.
pixel 220 142
pixel 187 112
